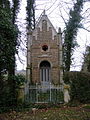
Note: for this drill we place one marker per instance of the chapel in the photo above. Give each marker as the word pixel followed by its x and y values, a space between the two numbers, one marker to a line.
pixel 44 54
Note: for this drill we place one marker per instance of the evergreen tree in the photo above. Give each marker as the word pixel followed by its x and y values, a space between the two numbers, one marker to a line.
pixel 15 10
pixel 8 45
pixel 14 13
pixel 30 14
pixel 86 63
pixel 70 32
pixel 8 33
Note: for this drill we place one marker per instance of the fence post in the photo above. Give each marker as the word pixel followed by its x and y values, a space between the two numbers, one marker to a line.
pixel 50 93
pixel 36 93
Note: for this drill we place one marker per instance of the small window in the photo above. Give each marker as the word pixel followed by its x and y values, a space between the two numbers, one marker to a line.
pixel 45 47
pixel 44 21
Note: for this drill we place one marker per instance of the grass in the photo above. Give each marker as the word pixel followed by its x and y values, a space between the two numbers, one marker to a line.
pixel 86 106
pixel 62 113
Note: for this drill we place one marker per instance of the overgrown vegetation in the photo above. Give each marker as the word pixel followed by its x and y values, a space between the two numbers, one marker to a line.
pixel 30 9
pixel 86 64
pixel 70 33
pixel 6 98
pixel 80 86
pixel 9 44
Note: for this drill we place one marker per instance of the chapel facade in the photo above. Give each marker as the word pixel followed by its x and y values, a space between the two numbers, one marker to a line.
pixel 44 54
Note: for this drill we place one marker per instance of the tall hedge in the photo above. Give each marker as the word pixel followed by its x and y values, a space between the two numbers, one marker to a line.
pixel 80 85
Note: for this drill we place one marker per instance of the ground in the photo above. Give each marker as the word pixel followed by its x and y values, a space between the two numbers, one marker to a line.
pixel 81 112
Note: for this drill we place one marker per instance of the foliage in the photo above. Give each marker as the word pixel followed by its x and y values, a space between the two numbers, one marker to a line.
pixel 70 32
pixel 15 10
pixel 87 106
pixel 30 14
pixel 80 86
pixel 8 34
pixel 20 80
pixel 6 98
pixel 6 95
pixel 8 47
pixel 86 64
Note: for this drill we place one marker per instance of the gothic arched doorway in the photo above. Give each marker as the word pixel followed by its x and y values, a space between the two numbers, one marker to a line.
pixel 45 76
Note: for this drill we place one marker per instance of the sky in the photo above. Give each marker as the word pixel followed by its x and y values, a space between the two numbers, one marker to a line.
pixel 55 10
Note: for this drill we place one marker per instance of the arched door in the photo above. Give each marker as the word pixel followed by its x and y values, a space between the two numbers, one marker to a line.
pixel 45 76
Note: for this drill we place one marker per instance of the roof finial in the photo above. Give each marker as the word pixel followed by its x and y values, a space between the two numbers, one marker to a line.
pixel 44 12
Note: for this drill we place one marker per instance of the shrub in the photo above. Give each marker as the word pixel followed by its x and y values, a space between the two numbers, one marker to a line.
pixel 20 80
pixel 80 85
pixel 6 95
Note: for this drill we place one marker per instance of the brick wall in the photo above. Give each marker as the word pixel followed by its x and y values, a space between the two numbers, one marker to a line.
pixel 45 37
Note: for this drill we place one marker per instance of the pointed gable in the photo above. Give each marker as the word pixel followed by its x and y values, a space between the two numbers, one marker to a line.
pixel 44 24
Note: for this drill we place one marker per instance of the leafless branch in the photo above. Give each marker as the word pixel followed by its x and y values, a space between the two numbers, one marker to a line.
pixel 85 29
pixel 51 5
pixel 19 58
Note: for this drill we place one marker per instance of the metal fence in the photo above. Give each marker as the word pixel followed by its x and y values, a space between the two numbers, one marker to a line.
pixel 46 94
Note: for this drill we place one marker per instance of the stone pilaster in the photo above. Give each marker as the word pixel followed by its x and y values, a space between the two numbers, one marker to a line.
pixel 60 56
pixel 28 69
pixel 29 43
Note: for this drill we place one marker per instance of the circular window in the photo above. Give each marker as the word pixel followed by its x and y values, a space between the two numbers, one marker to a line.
pixel 45 47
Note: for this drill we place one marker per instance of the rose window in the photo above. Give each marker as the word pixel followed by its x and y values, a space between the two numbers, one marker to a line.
pixel 45 47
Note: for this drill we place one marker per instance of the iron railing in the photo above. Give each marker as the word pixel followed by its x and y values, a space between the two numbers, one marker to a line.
pixel 46 94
